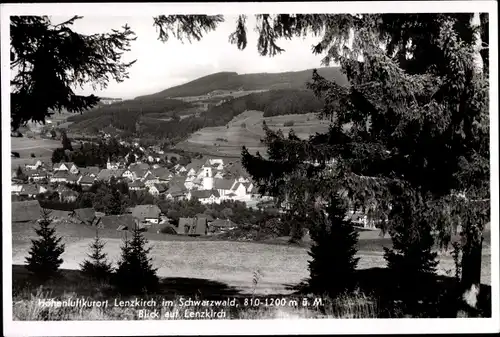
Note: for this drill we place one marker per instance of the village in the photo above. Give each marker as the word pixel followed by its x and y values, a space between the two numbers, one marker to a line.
pixel 208 180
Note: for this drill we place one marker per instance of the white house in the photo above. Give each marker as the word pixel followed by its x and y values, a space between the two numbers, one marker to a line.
pixel 86 181
pixel 42 189
pixel 68 167
pixel 137 186
pixel 206 196
pixel 223 186
pixel 147 213
pixel 216 163
pixel 37 175
pixel 34 165
pixel 59 177
pixel 189 182
pixel 150 180
pixel 129 175
pixel 16 189
pixel 112 165
pixel 239 190
pixel 157 189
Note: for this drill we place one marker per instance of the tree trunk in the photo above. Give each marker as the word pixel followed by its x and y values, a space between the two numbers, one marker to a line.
pixel 471 265
pixel 471 254
pixel 478 59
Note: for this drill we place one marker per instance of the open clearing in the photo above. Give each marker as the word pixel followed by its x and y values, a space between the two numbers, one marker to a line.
pixel 42 148
pixel 246 130
pixel 232 263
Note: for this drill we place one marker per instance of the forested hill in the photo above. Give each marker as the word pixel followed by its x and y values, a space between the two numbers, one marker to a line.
pixel 259 81
pixel 175 119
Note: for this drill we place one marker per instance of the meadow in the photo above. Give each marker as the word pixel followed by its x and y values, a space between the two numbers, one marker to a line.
pixel 228 262
pixel 246 130
pixel 41 148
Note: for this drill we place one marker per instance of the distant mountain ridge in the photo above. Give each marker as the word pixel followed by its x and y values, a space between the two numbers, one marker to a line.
pixel 257 81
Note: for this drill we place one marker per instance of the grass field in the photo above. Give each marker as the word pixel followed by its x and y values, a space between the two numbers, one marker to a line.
pixel 229 262
pixel 246 130
pixel 42 148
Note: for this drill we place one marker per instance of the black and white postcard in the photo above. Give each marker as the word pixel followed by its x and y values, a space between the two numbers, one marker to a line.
pixel 250 168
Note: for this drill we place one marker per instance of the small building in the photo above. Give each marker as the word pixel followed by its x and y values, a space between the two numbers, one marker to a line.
pixel 29 190
pixel 223 186
pixel 91 171
pixel 128 174
pixel 86 181
pixel 137 185
pixel 85 216
pixel 118 222
pixel 66 166
pixel 16 189
pixel 107 174
pixel 151 180
pixel 60 176
pixel 239 190
pixel 192 226
pixel 176 192
pixel 37 175
pixel 147 213
pixel 68 196
pixel 206 196
pixel 158 189
pixel 72 178
pixel 220 225
pixel 34 164
pixel 163 174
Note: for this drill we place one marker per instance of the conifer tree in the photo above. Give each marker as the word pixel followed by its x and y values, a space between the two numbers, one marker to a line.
pixel 66 142
pixel 48 60
pixel 44 257
pixel 98 266
pixel 413 124
pixel 135 273
pixel 113 204
pixel 333 251
pixel 20 174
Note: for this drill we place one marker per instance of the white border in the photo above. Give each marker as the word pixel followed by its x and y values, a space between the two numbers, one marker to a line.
pixel 346 326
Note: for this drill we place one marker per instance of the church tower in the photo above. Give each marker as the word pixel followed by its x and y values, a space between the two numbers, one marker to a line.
pixel 208 180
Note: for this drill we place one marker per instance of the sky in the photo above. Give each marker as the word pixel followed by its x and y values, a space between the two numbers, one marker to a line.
pixel 162 65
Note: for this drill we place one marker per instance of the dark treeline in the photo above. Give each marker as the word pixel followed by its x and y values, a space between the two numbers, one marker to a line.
pixel 90 154
pixel 125 115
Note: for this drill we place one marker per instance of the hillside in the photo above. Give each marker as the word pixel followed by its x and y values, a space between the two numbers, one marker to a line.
pixel 175 119
pixel 244 82
pixel 127 114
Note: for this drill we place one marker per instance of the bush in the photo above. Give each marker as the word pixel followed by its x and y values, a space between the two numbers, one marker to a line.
pixel 32 155
pixel 97 268
pixel 289 123
pixel 45 254
pixel 135 273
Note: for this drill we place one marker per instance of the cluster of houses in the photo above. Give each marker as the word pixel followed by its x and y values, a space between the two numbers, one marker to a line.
pixel 146 217
pixel 208 180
